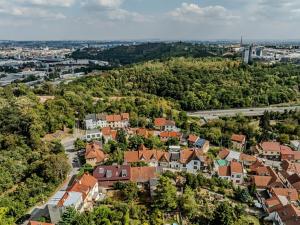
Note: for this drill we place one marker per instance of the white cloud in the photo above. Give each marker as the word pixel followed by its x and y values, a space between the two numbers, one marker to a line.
pixel 58 3
pixel 194 13
pixel 33 9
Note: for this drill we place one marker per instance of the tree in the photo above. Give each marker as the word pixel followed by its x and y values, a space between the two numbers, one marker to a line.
pixel 134 142
pixel 4 219
pixel 172 141
pixel 68 217
pixel 224 214
pixel 242 194
pixel 188 203
pixel 165 195
pixel 121 136
pixel 79 144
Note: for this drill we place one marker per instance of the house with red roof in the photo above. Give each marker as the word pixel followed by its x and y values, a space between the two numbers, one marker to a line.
pixel 286 215
pixel 233 172
pixel 238 141
pixel 93 121
pixel 166 135
pixel 163 124
pixel 81 196
pixel 109 134
pixel 107 176
pixel 266 178
pixel 154 158
pixel 269 149
pixel 94 154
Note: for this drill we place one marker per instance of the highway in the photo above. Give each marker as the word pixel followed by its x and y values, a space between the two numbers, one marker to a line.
pixel 214 114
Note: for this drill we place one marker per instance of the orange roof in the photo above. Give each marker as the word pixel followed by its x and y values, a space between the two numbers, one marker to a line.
pixel 93 151
pixel 224 171
pixel 236 167
pixel 270 146
pixel 296 155
pixel 125 116
pixel 270 202
pixel 261 181
pixel 187 155
pixel 167 134
pixel 142 132
pixel 142 174
pixel 145 155
pixel 113 118
pixel 223 153
pixel 262 171
pixel 114 134
pixel 289 214
pixel 84 184
pixel 106 131
pixel 285 150
pixel 192 138
pixel 238 138
pixel 159 122
pixel 291 193
pixel 39 223
pixel 249 158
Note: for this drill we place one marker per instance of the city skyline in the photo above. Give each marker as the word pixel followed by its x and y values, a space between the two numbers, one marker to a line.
pixel 141 19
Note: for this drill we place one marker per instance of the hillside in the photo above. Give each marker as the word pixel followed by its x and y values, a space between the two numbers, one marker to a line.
pixel 196 84
pixel 140 53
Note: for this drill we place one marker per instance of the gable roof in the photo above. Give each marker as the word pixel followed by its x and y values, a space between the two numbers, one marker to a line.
pixel 145 155
pixel 238 138
pixel 84 184
pixel 261 181
pixel 93 150
pixel 159 122
pixel 223 153
pixel 187 155
pixel 236 167
pixel 142 174
pixel 112 173
pixel 290 193
pixel 270 146
pixel 193 138
pixel 169 134
pixel 289 215
pixel 224 171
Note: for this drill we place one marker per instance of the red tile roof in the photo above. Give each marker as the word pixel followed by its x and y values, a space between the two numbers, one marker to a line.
pixel 236 167
pixel 146 156
pixel 93 151
pixel 290 193
pixel 192 138
pixel 112 173
pixel 223 153
pixel 289 214
pixel 159 122
pixel 142 174
pixel 39 223
pixel 187 155
pixel 238 138
pixel 167 134
pixel 270 146
pixel 224 171
pixel 84 184
pixel 261 181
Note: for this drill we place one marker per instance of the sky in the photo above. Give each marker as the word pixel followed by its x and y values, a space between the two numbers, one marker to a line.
pixel 149 19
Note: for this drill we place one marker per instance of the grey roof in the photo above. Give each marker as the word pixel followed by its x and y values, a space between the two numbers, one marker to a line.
pixel 90 117
pixel 174 156
pixel 93 131
pixel 73 198
pixel 56 198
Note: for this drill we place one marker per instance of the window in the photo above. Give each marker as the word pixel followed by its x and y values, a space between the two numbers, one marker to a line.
pixel 195 163
pixel 238 176
pixel 195 167
pixel 237 181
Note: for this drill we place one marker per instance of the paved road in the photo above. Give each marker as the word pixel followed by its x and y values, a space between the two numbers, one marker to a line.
pixel 214 114
pixel 68 144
